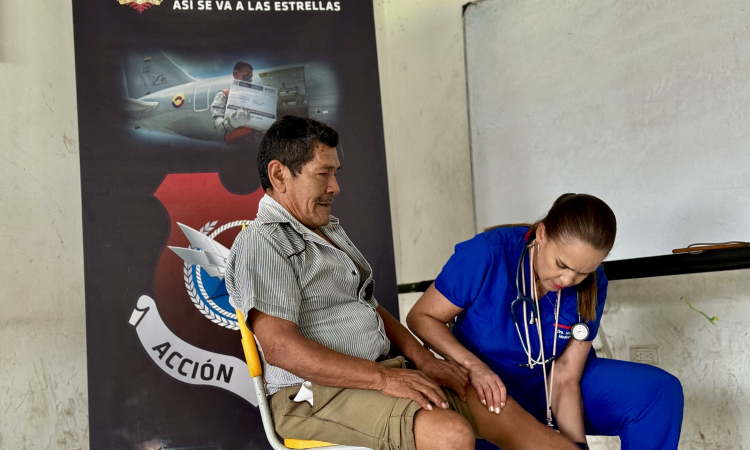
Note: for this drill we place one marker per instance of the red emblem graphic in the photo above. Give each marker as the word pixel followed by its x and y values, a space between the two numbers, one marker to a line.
pixel 199 201
pixel 140 5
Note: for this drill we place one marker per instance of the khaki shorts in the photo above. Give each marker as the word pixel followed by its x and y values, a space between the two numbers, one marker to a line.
pixel 354 416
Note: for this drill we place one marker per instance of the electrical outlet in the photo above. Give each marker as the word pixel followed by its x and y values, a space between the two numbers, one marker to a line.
pixel 647 354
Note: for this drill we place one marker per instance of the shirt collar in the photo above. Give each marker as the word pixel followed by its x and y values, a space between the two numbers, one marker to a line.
pixel 270 211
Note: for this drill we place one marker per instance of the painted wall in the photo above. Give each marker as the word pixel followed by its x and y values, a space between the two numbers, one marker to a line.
pixel 43 398
pixel 711 360
pixel 423 84
pixel 42 356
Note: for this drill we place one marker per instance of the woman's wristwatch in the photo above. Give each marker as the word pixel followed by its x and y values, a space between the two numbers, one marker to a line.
pixel 582 445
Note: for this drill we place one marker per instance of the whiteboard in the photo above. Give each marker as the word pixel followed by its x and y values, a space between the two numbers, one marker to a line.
pixel 645 104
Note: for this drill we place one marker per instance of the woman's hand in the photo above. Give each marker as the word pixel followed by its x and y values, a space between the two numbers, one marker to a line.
pixel 427 319
pixel 489 387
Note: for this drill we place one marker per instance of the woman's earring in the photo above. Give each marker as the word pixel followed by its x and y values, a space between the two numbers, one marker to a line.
pixel 537 249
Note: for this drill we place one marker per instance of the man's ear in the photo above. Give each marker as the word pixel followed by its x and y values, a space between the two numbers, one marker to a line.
pixel 277 174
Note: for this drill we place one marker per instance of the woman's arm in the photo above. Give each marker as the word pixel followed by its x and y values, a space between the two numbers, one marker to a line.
pixel 428 319
pixel 445 373
pixel 567 403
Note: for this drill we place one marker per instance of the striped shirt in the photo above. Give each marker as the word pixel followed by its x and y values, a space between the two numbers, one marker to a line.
pixel 281 268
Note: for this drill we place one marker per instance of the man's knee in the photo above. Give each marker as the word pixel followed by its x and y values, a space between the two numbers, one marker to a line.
pixel 459 431
pixel 439 429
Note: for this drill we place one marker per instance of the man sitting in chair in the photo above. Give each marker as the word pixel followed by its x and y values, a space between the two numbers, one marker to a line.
pixel 308 295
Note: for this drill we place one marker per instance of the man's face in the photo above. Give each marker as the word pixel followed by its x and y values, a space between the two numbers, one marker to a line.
pixel 244 74
pixel 310 193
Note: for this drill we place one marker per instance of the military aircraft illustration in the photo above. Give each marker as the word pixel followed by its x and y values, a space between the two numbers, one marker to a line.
pixel 161 97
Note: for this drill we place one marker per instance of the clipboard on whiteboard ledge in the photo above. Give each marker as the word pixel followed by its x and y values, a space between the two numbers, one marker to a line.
pixel 259 103
pixel 696 249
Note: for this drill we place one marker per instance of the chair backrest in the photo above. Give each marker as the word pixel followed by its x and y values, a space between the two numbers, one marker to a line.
pixel 256 372
pixel 248 345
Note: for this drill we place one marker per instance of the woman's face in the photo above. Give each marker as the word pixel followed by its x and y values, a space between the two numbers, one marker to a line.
pixel 564 263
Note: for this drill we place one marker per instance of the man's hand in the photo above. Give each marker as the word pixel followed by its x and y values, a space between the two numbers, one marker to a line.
pixel 446 373
pixel 412 384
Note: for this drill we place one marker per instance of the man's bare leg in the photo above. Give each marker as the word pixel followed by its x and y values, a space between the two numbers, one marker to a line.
pixel 442 429
pixel 514 428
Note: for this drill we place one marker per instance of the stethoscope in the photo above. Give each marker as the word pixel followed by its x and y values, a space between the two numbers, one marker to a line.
pixel 579 330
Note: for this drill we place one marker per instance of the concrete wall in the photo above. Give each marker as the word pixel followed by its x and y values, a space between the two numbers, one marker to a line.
pixel 43 398
pixel 423 83
pixel 711 360
pixel 43 382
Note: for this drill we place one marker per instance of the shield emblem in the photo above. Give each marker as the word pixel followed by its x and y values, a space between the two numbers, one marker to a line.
pixel 192 298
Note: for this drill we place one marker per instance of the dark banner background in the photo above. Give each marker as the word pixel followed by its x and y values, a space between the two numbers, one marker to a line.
pixel 131 401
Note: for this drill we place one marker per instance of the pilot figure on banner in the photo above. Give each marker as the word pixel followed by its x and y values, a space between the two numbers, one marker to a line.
pixel 242 140
pixel 232 126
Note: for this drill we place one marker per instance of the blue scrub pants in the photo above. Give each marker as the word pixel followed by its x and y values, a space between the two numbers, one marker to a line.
pixel 640 403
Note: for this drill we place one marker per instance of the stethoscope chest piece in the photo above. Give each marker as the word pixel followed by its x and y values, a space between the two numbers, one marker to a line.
pixel 580 331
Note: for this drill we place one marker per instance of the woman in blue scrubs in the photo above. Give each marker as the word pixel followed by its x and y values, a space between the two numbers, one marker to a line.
pixel 562 382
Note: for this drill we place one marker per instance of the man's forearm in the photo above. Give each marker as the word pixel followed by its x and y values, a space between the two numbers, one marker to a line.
pixel 402 338
pixel 314 362
pixel 221 125
pixel 284 347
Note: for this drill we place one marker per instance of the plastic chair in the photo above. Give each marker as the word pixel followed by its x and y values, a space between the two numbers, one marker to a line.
pixel 256 372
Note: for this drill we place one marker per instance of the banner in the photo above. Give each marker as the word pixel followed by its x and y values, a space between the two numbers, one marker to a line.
pixel 173 98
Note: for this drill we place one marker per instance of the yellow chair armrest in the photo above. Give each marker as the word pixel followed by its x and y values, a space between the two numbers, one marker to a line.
pixel 248 345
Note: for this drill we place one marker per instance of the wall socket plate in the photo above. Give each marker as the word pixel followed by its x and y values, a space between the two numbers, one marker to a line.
pixel 646 354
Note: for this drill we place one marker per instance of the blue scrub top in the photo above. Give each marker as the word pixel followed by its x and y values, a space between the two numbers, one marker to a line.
pixel 480 277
